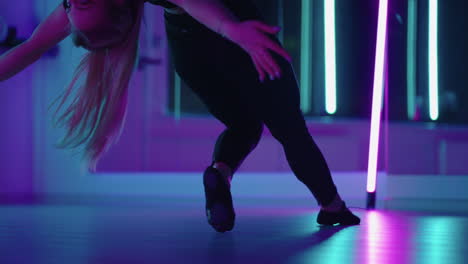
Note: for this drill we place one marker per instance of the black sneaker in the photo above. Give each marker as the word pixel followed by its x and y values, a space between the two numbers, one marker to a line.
pixel 219 208
pixel 343 217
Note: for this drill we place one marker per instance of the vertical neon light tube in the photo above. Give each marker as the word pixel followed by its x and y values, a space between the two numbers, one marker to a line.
pixel 411 60
pixel 177 96
pixel 281 20
pixel 330 57
pixel 377 96
pixel 433 62
pixel 306 56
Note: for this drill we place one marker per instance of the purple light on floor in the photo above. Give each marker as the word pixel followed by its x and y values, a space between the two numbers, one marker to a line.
pixel 377 97
pixel 377 230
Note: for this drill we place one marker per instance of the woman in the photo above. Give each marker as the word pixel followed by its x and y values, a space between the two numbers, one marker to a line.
pixel 223 51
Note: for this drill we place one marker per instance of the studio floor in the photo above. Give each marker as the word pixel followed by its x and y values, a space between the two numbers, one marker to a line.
pixel 174 230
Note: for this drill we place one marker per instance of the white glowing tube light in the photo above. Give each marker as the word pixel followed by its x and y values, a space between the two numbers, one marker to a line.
pixel 433 62
pixel 377 97
pixel 330 57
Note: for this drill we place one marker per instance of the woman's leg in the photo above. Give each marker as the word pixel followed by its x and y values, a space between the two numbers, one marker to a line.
pixel 283 117
pixel 235 143
pixel 197 59
pixel 278 103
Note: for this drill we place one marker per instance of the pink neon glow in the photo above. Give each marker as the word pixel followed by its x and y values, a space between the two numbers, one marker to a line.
pixel 377 97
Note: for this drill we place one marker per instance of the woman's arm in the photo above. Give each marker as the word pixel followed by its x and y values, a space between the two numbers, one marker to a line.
pixel 252 36
pixel 51 31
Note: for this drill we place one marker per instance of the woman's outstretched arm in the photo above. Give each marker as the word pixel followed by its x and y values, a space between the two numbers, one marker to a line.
pixel 252 36
pixel 51 31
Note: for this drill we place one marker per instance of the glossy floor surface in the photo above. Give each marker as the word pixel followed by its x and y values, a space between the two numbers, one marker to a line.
pixel 175 231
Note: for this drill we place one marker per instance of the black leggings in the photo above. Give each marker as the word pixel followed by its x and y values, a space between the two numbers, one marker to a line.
pixel 225 79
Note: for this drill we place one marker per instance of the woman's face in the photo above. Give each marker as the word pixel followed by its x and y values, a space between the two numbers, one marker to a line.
pixel 101 22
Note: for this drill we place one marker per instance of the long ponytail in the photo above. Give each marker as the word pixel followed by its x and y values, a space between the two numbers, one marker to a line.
pixel 96 116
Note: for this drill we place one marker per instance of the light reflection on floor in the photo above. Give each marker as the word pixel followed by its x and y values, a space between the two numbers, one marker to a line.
pixel 175 231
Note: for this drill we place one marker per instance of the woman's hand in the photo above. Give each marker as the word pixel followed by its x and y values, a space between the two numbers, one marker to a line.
pixel 253 37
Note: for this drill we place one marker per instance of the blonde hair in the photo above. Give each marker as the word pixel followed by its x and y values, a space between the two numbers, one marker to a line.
pixel 95 117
